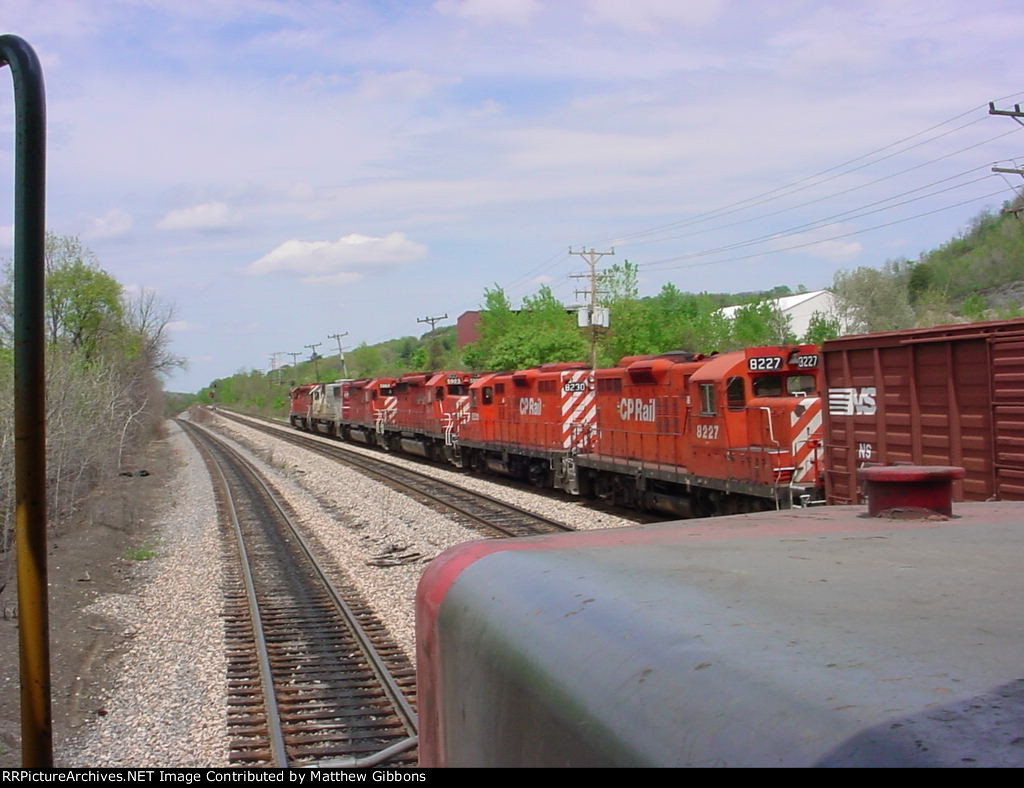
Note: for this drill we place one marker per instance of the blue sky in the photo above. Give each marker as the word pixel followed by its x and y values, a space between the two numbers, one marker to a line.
pixel 281 171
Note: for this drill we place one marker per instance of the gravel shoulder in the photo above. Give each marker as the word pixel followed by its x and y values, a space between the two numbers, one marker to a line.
pixel 118 645
pixel 135 605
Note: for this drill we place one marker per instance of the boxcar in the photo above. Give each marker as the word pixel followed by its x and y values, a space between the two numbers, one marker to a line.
pixel 949 395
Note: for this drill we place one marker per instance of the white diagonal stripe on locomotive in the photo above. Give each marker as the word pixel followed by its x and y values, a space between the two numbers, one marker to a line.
pixel 806 427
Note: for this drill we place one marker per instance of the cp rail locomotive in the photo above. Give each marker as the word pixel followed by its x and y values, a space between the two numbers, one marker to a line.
pixel 691 435
pixel 681 433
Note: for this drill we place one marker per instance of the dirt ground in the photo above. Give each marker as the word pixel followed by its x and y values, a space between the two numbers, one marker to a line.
pixel 102 549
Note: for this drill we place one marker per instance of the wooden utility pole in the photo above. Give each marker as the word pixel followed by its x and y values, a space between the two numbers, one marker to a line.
pixel 433 350
pixel 592 257
pixel 341 351
pixel 274 365
pixel 315 359
pixel 432 320
pixel 1016 113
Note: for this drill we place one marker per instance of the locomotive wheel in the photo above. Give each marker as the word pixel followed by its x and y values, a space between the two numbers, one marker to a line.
pixel 539 475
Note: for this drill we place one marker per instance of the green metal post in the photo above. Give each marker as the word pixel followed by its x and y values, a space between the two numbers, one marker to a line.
pixel 30 398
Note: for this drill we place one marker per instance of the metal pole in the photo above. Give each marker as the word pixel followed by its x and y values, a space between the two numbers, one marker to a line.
pixel 30 398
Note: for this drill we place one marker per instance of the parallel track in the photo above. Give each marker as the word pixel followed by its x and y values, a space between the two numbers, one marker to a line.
pixel 314 679
pixel 483 510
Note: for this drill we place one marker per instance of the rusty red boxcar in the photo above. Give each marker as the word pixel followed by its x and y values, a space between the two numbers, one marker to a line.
pixel 949 395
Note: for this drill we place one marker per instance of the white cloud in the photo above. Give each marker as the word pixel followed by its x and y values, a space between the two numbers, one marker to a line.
pixel 337 262
pixel 113 223
pixel 7 235
pixel 207 216
pixel 517 12
pixel 649 16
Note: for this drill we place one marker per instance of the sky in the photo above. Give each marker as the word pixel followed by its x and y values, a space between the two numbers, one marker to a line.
pixel 280 171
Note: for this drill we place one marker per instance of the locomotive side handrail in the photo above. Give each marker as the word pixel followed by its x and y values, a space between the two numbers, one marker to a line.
pixel 30 398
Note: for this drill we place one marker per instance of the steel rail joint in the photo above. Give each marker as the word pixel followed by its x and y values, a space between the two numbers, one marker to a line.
pixel 29 397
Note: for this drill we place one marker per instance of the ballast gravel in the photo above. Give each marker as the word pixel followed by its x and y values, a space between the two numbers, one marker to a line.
pixel 168 703
pixel 361 522
pixel 168 706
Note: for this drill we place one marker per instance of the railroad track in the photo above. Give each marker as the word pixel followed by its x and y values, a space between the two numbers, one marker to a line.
pixel 481 510
pixel 313 677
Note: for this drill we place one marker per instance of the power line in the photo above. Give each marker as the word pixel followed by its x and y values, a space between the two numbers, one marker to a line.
pixel 315 359
pixel 816 177
pixel 773 193
pixel 432 320
pixel 833 194
pixel 657 265
pixel 853 213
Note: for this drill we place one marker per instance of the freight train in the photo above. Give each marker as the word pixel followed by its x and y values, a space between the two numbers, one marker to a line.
pixel 681 433
pixel 692 435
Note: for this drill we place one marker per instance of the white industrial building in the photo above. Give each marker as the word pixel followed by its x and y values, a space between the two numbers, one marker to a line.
pixel 799 308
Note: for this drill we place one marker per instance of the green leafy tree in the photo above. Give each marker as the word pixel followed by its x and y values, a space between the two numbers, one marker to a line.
pixel 83 302
pixel 821 327
pixel 932 308
pixel 541 331
pixel 873 299
pixel 497 319
pixel 760 323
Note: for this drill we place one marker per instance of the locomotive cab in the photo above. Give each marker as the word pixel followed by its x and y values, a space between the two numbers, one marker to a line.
pixel 369 404
pixel 758 419
pixel 325 408
pixel 431 407
pixel 300 401
pixel 690 435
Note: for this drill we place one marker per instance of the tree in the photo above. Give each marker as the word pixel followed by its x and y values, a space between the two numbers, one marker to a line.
pixel 83 302
pixel 496 320
pixel 872 299
pixel 821 327
pixel 541 331
pixel 974 307
pixel 103 397
pixel 146 319
pixel 760 323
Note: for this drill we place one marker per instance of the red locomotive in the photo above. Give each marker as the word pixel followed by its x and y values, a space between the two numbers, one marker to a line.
pixel 693 435
pixel 529 424
pixel 371 406
pixel 677 432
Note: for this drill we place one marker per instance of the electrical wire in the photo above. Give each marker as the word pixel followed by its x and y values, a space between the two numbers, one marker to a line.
pixel 658 265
